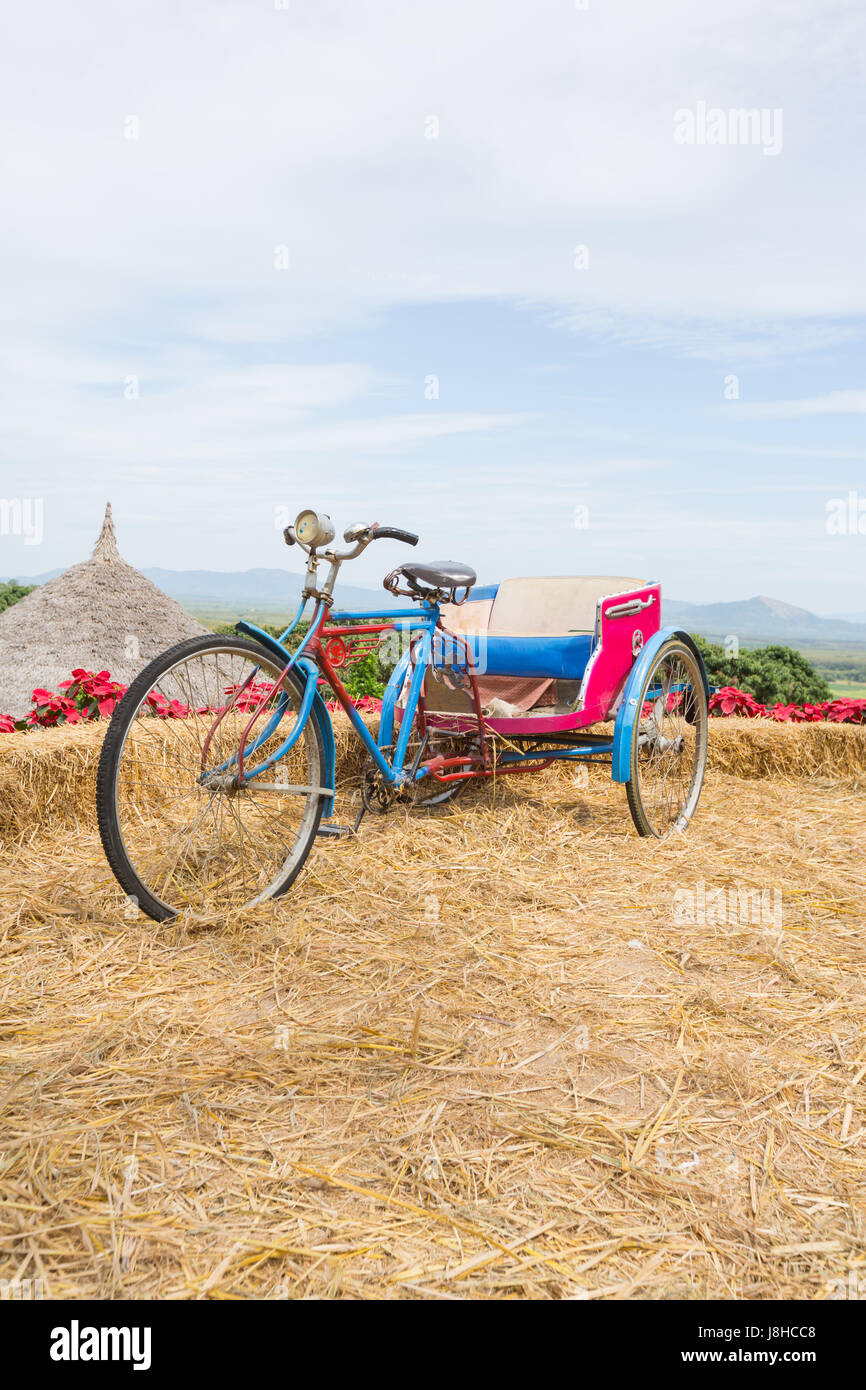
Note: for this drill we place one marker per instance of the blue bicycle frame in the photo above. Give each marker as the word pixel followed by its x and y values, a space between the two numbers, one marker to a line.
pixel 311 659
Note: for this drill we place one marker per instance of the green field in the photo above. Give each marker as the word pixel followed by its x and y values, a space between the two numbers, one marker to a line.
pixel 843 665
pixel 216 616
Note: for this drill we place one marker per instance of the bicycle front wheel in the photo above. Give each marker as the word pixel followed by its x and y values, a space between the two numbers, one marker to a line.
pixel 179 833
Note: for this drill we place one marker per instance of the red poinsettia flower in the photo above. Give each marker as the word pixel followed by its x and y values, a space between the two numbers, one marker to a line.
pixel 845 710
pixel 729 700
pixel 790 714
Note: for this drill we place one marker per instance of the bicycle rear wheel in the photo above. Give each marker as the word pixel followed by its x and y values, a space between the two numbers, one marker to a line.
pixel 178 832
pixel 428 792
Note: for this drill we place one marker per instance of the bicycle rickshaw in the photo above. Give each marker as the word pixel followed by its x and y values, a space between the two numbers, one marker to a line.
pixel 218 767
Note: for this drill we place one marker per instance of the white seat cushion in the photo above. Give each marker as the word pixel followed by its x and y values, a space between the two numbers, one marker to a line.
pixel 468 616
pixel 552 606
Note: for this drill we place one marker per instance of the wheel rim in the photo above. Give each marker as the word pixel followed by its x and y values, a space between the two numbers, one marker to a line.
pixel 671 742
pixel 196 844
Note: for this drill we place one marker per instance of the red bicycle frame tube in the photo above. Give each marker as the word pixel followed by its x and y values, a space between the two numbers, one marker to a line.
pixel 315 648
pixel 436 764
pixel 221 716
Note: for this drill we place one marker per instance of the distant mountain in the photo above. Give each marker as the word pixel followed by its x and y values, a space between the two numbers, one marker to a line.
pixel 235 593
pixel 762 619
pixel 275 592
pixel 31 578
pixel 260 590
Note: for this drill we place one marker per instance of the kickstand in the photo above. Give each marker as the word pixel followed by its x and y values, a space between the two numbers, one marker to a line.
pixel 341 832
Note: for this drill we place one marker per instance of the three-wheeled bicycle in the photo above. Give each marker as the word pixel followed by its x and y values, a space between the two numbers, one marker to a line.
pixel 219 765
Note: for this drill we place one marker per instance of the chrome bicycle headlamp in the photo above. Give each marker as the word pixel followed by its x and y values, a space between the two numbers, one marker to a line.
pixel 314 529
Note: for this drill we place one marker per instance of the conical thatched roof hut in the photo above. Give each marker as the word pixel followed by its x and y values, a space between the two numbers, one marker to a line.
pixel 102 614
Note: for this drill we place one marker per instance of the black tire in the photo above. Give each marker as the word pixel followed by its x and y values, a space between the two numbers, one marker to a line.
pixel 127 866
pixel 665 782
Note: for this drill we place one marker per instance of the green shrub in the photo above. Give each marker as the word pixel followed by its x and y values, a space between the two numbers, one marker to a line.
pixel 774 675
pixel 363 678
pixel 12 591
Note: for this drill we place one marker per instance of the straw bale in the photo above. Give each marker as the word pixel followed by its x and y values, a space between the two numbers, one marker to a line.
pixel 49 775
pixel 475 1053
pixel 763 748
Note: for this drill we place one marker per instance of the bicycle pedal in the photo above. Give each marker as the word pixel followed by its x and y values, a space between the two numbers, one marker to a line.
pixel 335 832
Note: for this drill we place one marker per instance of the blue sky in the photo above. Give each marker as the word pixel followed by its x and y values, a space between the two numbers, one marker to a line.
pixel 156 159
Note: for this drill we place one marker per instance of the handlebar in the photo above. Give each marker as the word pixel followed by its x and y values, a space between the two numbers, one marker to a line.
pixel 360 534
pixel 392 533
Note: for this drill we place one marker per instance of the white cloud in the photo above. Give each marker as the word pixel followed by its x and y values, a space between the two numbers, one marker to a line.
pixel 188 413
pixel 833 403
pixel 305 127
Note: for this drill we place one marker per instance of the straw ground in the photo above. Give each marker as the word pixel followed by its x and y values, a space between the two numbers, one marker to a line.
pixel 507 1050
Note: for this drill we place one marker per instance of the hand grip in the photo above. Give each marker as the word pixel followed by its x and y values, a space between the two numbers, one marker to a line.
pixel 393 533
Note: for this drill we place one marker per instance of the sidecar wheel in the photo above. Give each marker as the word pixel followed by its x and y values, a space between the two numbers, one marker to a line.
pixel 669 743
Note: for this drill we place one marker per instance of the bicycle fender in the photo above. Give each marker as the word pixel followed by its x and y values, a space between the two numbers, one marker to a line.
pixel 389 700
pixel 318 710
pixel 629 711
